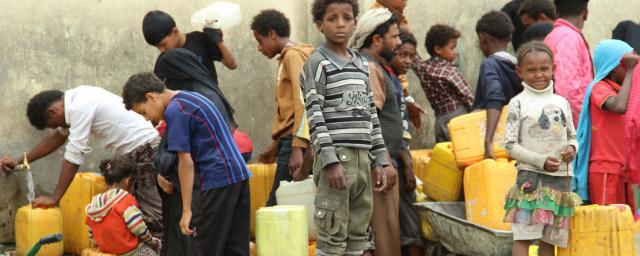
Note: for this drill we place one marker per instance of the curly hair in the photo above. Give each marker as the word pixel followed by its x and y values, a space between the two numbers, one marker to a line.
pixel 496 24
pixel 407 38
pixel 138 86
pixel 533 8
pixel 439 35
pixel 569 8
pixel 319 7
pixel 38 106
pixel 533 46
pixel 117 169
pixel 271 19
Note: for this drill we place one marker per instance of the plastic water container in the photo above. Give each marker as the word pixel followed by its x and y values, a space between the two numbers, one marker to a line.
pixel 420 159
pixel 35 223
pixel 467 134
pixel 282 230
pixel 601 230
pixel 83 187
pixel 300 193
pixel 485 185
pixel 443 177
pixel 260 183
pixel 226 14
pixel 94 252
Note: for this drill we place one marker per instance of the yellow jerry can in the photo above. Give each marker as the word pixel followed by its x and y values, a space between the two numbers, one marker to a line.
pixel 35 223
pixel 443 179
pixel 601 230
pixel 467 134
pixel 83 187
pixel 485 186
pixel 260 183
pixel 282 230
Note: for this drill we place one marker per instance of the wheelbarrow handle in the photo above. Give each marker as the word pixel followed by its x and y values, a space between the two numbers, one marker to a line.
pixel 53 238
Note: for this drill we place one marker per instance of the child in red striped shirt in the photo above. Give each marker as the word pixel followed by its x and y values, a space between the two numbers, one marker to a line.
pixel 115 223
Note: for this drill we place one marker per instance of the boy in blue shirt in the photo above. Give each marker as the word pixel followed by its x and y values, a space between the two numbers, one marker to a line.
pixel 497 81
pixel 216 218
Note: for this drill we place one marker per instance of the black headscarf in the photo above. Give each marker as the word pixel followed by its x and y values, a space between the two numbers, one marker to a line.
pixel 629 32
pixel 181 70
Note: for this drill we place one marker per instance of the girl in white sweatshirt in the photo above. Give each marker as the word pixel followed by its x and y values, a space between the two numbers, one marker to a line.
pixel 540 135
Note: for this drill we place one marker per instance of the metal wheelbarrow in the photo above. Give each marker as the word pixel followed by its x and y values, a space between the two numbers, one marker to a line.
pixel 459 236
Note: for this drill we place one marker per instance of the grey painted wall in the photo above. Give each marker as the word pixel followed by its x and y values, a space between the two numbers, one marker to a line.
pixel 62 44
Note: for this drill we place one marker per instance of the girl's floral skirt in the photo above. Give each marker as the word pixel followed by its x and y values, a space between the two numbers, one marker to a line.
pixel 541 199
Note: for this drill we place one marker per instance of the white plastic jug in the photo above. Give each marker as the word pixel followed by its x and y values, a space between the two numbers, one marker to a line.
pixel 299 193
pixel 226 14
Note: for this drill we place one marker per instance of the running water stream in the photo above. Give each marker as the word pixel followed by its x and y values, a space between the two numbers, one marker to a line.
pixel 30 186
pixel 31 194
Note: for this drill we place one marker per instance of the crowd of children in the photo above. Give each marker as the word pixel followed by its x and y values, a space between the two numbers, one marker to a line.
pixel 343 114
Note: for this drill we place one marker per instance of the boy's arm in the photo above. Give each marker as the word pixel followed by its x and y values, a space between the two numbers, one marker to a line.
pixel 493 117
pixel 419 68
pixel 617 103
pixel 376 80
pixel 313 85
pixel 80 121
pixel 179 125
pixel 462 88
pixel 495 100
pixel 132 216
pixel 47 145
pixel 185 173
pixel 226 57
pixel 378 148
pixel 292 67
pixel 292 64
pixel 512 139
pixel 67 173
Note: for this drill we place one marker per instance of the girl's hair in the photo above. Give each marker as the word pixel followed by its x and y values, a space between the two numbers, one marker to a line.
pixel 117 169
pixel 533 46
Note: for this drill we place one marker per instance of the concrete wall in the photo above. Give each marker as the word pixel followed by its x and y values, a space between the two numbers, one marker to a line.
pixel 62 44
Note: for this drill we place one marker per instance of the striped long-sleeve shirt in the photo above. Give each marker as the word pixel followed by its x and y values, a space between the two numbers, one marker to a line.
pixel 115 222
pixel 340 105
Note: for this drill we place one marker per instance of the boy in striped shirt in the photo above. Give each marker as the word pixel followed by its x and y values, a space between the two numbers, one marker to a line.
pixel 217 222
pixel 345 133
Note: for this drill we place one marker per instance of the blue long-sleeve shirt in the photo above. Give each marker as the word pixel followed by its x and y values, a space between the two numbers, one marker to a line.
pixel 497 82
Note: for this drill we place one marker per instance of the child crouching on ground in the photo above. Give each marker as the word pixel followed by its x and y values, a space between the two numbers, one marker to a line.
pixel 540 135
pixel 115 223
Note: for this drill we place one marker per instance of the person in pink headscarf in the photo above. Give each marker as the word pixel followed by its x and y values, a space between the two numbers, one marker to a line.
pixel 574 69
pixel 632 128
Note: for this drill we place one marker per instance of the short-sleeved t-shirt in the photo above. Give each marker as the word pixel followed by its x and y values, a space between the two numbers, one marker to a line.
pixel 194 125
pixel 206 50
pixel 607 132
